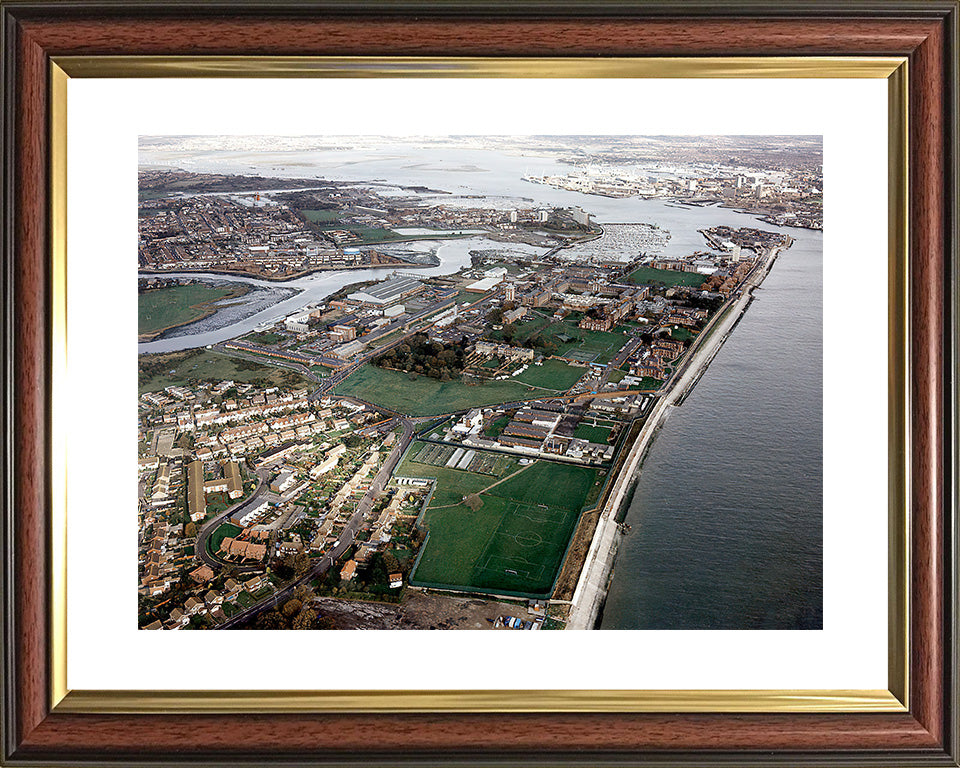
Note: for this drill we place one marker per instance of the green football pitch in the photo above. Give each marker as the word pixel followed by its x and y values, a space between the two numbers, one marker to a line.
pixel 515 542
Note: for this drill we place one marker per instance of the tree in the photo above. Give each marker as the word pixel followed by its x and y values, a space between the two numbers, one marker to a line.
pixel 305 619
pixel 473 502
pixel 291 607
pixel 495 316
pixel 284 569
pixel 270 620
pixel 303 593
pixel 377 573
pixel 190 530
pixel 390 562
pixel 301 563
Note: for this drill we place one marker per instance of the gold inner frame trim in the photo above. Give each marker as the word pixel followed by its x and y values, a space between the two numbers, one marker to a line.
pixel 513 701
pixel 58 371
pixel 893 69
pixel 427 66
pixel 898 386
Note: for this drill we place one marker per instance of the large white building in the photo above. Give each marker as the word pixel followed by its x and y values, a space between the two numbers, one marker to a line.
pixel 581 216
pixel 299 323
pixel 387 292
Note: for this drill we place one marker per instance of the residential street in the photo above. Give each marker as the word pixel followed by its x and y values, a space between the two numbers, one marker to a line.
pixel 346 537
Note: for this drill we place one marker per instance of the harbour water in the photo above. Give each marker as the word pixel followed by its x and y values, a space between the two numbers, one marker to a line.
pixel 727 514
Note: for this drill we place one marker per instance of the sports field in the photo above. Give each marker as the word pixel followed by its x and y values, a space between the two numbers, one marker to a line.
pixel 575 343
pixel 593 346
pixel 326 216
pixel 666 277
pixel 595 434
pixel 515 542
pixel 424 396
pixel 552 374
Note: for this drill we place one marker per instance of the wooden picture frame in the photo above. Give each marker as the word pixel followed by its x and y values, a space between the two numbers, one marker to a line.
pixel 40 727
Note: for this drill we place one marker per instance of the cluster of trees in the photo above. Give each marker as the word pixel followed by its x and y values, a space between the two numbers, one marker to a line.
pixel 293 565
pixel 431 358
pixel 296 613
pixel 546 345
pixel 595 313
pixel 709 303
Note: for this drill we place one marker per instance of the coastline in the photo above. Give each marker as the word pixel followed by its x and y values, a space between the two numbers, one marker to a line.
pixel 591 590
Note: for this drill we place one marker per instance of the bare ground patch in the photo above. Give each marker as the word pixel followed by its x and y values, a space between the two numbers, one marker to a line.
pixel 417 611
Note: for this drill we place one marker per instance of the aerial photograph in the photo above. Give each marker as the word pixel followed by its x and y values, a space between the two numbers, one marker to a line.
pixel 480 382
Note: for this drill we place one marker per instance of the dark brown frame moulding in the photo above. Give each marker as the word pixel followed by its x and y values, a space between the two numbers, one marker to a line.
pixel 33 33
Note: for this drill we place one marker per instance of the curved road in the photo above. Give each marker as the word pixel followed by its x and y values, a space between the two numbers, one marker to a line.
pixel 207 529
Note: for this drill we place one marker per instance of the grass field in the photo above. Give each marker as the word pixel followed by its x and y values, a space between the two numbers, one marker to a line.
pixel 648 383
pixel 374 234
pixel 184 368
pixel 468 297
pixel 321 217
pixel 553 374
pixel 523 330
pixel 616 376
pixel 645 275
pixel 588 346
pixel 426 397
pixel 516 541
pixel 179 304
pixel 379 342
pixel 496 427
pixel 225 530
pixel 682 334
pixel 266 338
pixel 592 433
pixel 530 326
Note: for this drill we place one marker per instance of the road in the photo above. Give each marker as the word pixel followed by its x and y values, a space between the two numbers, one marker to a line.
pixel 345 541
pixel 207 529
